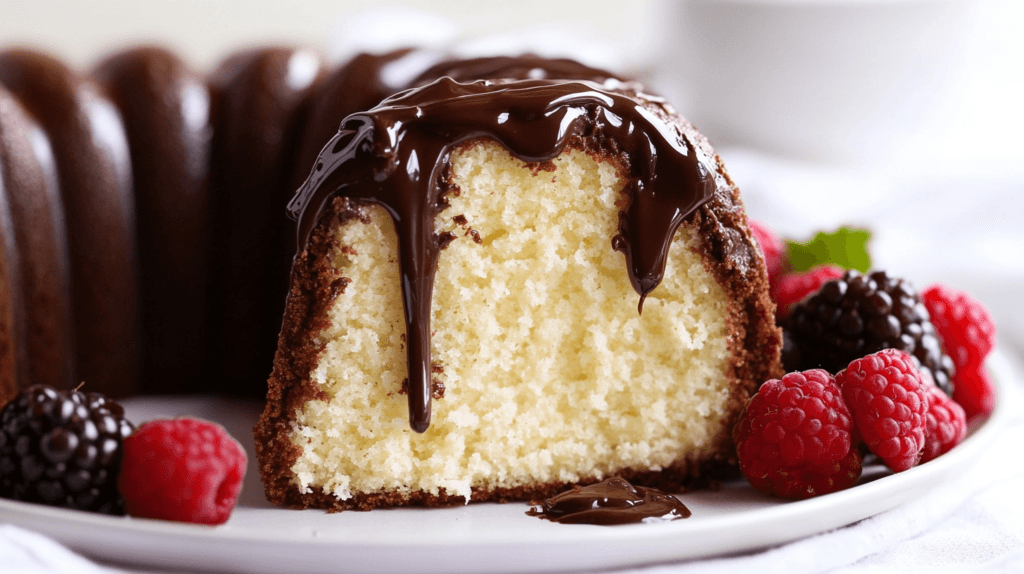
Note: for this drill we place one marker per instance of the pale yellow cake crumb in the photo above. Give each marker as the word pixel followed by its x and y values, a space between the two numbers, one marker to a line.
pixel 550 373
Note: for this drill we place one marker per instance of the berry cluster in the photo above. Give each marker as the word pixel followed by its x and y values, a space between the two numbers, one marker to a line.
pixel 831 317
pixel 800 436
pixel 76 450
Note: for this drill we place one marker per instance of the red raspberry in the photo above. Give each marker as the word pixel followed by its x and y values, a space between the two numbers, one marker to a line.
pixel 773 249
pixel 183 469
pixel 975 392
pixel 793 287
pixel 965 326
pixel 889 403
pixel 946 425
pixel 794 437
pixel 968 335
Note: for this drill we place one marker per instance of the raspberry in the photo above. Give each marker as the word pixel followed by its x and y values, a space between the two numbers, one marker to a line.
pixel 794 437
pixel 889 403
pixel 945 424
pixel 183 469
pixel 62 448
pixel 975 392
pixel 968 335
pixel 856 315
pixel 964 325
pixel 773 249
pixel 793 287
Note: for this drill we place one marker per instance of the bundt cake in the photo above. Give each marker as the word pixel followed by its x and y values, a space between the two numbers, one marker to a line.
pixel 503 287
pixel 512 275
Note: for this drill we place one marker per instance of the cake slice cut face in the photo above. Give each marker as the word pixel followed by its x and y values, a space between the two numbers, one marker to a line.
pixel 578 327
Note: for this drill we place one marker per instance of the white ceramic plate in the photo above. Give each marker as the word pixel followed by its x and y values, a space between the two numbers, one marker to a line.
pixel 473 538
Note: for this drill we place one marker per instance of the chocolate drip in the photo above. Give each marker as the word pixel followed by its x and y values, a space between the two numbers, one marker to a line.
pixel 357 86
pixel 614 501
pixel 395 156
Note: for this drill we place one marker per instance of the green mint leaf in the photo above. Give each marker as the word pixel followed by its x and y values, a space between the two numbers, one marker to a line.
pixel 846 247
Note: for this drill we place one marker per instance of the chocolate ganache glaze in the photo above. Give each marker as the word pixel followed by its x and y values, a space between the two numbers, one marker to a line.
pixel 614 501
pixel 396 155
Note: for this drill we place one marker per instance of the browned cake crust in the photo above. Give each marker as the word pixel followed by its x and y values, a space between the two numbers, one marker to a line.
pixel 727 250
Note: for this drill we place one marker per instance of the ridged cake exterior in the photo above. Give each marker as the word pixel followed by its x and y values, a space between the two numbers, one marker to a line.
pixel 142 211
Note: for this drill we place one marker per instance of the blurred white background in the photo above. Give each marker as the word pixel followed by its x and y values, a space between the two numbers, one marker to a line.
pixel 204 30
pixel 902 115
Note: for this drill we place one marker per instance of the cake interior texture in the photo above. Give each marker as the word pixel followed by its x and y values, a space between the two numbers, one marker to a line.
pixel 545 373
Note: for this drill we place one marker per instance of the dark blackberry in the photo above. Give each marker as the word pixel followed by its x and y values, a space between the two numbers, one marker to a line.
pixel 791 360
pixel 62 448
pixel 856 315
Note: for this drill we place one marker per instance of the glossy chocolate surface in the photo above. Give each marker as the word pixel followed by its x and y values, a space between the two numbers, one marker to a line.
pixel 396 156
pixel 35 252
pixel 92 156
pixel 357 86
pixel 614 501
pixel 259 103
pixel 165 108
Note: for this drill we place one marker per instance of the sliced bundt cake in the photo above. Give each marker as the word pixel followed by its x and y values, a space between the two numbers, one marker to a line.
pixel 505 287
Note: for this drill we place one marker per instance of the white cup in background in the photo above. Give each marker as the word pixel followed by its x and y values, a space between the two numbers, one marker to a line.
pixel 845 81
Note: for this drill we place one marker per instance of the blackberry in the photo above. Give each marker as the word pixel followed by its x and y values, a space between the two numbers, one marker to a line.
pixel 62 448
pixel 856 315
pixel 791 359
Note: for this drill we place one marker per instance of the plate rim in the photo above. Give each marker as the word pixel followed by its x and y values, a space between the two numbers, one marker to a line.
pixel 549 548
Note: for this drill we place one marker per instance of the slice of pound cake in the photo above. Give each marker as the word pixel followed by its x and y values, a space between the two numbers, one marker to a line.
pixel 506 287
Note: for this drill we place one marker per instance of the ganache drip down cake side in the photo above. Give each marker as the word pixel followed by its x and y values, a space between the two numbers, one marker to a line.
pixel 505 287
